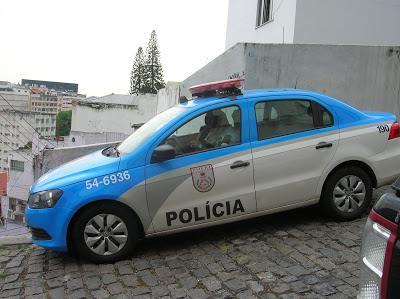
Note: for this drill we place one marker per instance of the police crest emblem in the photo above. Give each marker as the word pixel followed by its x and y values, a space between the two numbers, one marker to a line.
pixel 203 177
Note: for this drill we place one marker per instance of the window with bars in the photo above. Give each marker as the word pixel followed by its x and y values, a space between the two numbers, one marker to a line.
pixel 17 165
pixel 263 12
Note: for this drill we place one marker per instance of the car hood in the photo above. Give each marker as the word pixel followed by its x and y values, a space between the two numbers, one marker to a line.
pixel 84 168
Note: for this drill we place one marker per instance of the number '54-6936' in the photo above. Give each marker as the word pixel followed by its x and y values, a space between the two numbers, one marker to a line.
pixel 108 179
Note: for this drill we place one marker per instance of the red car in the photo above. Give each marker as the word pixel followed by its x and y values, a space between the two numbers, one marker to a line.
pixel 380 250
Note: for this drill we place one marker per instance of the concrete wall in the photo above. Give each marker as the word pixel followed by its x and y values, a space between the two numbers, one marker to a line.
pixel 344 22
pixel 242 23
pixel 168 96
pixel 114 118
pixel 367 77
pixel 81 138
pixel 52 158
pixel 228 65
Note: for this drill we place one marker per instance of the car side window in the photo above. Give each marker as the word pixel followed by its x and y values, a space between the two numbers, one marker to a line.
pixel 283 117
pixel 323 117
pixel 211 130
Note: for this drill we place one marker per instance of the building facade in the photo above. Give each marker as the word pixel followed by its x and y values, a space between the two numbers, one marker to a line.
pixel 15 95
pixel 330 22
pixel 51 85
pixel 51 97
pixel 20 180
pixel 45 101
pixel 18 130
pixel 114 113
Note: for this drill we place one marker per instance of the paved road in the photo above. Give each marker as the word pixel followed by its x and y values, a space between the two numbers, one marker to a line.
pixel 296 254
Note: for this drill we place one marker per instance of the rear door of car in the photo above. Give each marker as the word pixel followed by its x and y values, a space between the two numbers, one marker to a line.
pixel 293 140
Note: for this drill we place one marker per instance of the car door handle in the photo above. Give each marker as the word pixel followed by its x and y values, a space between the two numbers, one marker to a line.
pixel 239 164
pixel 323 145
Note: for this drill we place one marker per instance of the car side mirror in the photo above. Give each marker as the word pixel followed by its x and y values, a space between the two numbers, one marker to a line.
pixel 163 153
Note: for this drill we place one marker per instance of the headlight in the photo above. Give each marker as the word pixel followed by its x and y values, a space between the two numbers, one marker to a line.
pixel 44 199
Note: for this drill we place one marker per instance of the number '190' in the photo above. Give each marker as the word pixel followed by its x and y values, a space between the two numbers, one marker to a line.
pixel 108 179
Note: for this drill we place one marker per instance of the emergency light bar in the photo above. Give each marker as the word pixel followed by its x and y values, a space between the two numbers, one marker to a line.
pixel 226 87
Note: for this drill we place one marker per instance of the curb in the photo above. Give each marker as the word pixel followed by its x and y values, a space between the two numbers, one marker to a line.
pixel 15 240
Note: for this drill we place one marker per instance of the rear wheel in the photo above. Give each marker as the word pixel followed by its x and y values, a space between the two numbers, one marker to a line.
pixel 347 193
pixel 105 233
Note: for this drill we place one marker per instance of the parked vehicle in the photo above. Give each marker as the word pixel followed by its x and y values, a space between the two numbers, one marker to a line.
pixel 224 155
pixel 380 250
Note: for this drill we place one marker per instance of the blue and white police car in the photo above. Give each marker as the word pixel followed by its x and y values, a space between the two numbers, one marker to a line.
pixel 222 156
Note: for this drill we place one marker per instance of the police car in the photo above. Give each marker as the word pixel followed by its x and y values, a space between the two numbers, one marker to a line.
pixel 222 156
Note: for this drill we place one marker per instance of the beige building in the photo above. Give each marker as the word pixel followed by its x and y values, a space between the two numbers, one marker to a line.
pixel 44 101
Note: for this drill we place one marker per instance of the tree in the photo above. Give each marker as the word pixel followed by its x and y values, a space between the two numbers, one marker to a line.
pixel 137 80
pixel 153 75
pixel 63 123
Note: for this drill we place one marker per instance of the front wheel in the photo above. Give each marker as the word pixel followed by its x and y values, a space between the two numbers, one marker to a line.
pixel 347 193
pixel 104 233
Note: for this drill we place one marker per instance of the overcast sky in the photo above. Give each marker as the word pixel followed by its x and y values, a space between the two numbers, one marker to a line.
pixel 93 42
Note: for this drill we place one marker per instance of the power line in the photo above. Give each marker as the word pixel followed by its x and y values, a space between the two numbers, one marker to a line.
pixel 40 143
pixel 19 154
pixel 30 155
pixel 23 127
pixel 15 183
pixel 23 118
pixel 13 132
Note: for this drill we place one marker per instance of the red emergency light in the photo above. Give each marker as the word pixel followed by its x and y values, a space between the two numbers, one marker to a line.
pixel 227 87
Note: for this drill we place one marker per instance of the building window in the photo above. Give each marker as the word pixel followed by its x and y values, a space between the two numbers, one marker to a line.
pixel 263 12
pixel 17 165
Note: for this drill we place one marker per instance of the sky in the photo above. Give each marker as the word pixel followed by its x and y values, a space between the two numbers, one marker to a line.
pixel 93 42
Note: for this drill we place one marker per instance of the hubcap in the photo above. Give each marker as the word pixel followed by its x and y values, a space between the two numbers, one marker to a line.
pixel 349 193
pixel 105 234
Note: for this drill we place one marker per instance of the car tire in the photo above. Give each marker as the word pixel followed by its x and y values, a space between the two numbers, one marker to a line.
pixel 104 233
pixel 341 196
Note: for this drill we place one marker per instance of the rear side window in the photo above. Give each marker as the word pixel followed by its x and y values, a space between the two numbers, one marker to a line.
pixel 323 118
pixel 283 117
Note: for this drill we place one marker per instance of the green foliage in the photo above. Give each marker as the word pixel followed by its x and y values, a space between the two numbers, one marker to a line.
pixel 137 73
pixel 63 123
pixel 153 74
pixel 3 275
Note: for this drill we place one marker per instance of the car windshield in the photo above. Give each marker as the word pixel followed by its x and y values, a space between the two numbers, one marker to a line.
pixel 148 129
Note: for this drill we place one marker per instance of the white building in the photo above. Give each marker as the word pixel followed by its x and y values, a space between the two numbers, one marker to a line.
pixel 331 22
pixel 109 118
pixel 17 130
pixel 20 181
pixel 16 95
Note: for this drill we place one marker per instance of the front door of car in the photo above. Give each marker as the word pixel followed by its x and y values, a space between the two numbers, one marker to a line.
pixel 293 142
pixel 211 177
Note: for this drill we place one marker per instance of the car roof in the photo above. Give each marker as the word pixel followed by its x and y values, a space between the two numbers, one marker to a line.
pixel 247 94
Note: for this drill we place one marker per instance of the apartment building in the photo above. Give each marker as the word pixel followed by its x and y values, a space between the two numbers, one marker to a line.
pixel 18 130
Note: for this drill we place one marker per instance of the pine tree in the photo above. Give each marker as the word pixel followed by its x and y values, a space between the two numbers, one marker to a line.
pixel 137 73
pixel 153 75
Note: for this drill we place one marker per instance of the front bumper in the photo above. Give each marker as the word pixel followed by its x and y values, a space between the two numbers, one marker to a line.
pixel 54 221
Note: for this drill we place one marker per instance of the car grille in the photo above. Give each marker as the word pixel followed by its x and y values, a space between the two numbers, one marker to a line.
pixel 39 234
